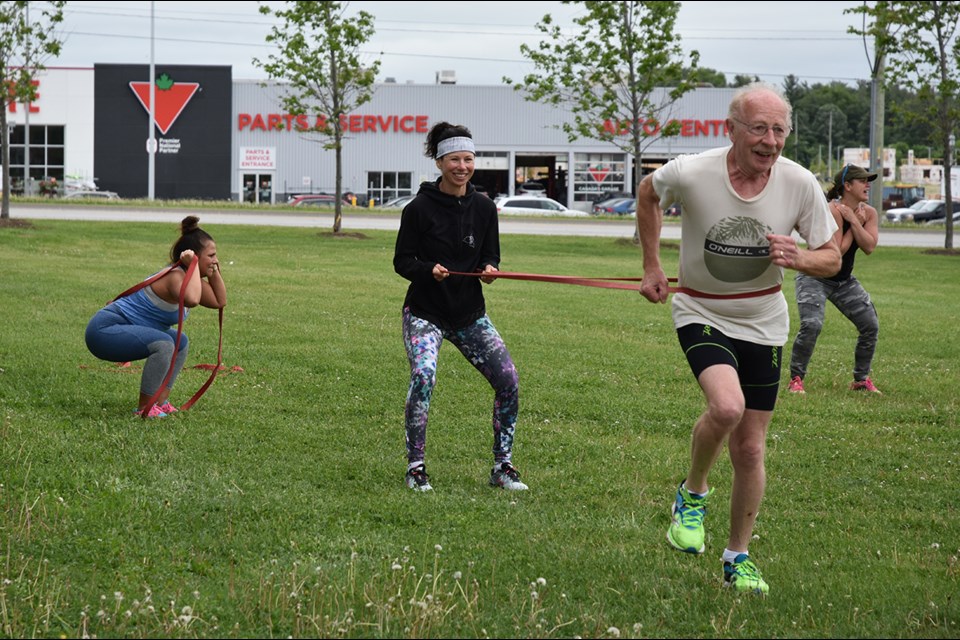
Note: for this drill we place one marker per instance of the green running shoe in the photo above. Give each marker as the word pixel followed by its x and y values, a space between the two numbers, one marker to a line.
pixel 743 576
pixel 686 531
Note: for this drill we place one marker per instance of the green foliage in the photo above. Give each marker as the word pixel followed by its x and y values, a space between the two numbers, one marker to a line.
pixel 275 507
pixel 319 60
pixel 26 42
pixel 320 66
pixel 919 42
pixel 622 68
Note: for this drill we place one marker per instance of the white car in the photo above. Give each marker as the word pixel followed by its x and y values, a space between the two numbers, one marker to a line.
pixel 904 214
pixel 534 206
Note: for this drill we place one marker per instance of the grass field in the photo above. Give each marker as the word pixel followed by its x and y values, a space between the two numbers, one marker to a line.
pixel 276 508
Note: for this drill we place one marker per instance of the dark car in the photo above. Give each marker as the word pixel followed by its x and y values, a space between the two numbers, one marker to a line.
pixel 933 210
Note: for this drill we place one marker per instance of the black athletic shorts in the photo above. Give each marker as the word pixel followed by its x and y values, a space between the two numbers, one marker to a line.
pixel 757 365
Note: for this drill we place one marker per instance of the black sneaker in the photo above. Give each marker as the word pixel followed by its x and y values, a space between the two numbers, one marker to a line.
pixel 418 480
pixel 506 476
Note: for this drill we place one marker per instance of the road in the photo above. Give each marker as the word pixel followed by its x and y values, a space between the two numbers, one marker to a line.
pixel 354 221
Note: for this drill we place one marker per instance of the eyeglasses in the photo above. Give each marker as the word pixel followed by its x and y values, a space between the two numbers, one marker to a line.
pixel 760 130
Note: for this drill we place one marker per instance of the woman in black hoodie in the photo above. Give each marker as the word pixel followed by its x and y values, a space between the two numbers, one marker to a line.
pixel 450 227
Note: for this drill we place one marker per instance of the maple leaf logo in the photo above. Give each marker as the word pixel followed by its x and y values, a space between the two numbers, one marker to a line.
pixel 172 98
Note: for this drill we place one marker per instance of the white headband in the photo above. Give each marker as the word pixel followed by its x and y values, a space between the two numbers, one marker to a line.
pixel 460 143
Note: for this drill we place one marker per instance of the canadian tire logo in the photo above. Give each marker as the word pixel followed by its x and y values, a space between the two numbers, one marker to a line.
pixel 172 98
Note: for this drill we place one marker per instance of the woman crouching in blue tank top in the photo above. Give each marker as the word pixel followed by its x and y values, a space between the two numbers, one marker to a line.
pixel 142 325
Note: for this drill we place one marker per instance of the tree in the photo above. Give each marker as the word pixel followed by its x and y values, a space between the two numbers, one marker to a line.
pixel 25 43
pixel 613 70
pixel 319 60
pixel 742 80
pixel 919 40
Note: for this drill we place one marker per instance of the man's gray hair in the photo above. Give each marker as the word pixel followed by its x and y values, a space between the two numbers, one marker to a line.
pixel 736 104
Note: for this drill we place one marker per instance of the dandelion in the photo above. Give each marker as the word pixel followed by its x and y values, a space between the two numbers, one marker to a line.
pixel 396 566
pixel 457 575
pixel 613 632
pixel 542 582
pixel 935 545
pixel 438 547
pixel 637 628
pixel 118 596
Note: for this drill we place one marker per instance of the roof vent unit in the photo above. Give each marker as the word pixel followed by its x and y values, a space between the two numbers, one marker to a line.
pixel 448 76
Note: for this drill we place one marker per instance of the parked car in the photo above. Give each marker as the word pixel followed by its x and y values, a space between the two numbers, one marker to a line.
pixel 617 206
pixel 672 210
pixel 398 203
pixel 904 214
pixel 534 205
pixel 313 200
pixel 943 220
pixel 931 210
pixel 532 188
pixel 90 195
pixel 601 196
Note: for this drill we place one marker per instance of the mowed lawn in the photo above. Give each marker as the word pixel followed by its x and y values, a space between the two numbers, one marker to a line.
pixel 275 507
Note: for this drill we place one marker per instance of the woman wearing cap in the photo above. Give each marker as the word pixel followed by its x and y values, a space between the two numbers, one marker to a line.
pixel 450 227
pixel 858 230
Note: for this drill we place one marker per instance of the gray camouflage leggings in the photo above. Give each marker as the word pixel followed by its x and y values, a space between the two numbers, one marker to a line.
pixel 853 301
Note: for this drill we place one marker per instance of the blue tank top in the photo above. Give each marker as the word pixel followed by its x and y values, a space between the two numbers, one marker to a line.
pixel 147 309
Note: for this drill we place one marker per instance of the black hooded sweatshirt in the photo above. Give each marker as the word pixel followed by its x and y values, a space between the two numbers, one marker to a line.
pixel 459 232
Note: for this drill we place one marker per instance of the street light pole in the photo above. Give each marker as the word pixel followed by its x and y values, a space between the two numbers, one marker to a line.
pixel 151 139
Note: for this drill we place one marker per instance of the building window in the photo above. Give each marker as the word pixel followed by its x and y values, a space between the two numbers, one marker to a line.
pixel 46 157
pixel 384 186
pixel 594 173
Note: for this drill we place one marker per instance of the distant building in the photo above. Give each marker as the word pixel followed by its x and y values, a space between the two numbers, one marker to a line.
pixel 860 156
pixel 218 138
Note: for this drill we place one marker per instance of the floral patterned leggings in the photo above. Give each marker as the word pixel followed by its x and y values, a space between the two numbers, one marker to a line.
pixel 482 346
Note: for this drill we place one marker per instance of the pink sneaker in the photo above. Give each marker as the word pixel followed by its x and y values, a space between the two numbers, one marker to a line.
pixel 864 385
pixel 154 412
pixel 796 385
pixel 167 408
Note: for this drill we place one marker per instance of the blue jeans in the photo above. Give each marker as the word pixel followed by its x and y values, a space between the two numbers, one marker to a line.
pixel 111 337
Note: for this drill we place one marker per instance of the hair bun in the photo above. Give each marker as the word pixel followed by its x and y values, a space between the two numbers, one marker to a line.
pixel 189 224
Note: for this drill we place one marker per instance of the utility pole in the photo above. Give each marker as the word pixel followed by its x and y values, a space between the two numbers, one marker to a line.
pixel 876 132
pixel 830 146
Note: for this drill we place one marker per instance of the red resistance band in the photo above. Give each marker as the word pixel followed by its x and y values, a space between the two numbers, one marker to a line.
pixel 632 284
pixel 176 345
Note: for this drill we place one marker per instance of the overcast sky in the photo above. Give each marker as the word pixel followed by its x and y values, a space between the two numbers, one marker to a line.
pixel 479 41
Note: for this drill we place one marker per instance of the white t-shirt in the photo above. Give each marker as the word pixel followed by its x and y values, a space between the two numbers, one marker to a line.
pixel 724 249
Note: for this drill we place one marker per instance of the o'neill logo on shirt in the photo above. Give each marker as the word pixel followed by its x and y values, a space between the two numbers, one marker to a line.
pixel 172 97
pixel 737 250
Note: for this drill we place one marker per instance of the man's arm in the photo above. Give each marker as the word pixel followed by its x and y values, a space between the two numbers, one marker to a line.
pixel 649 223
